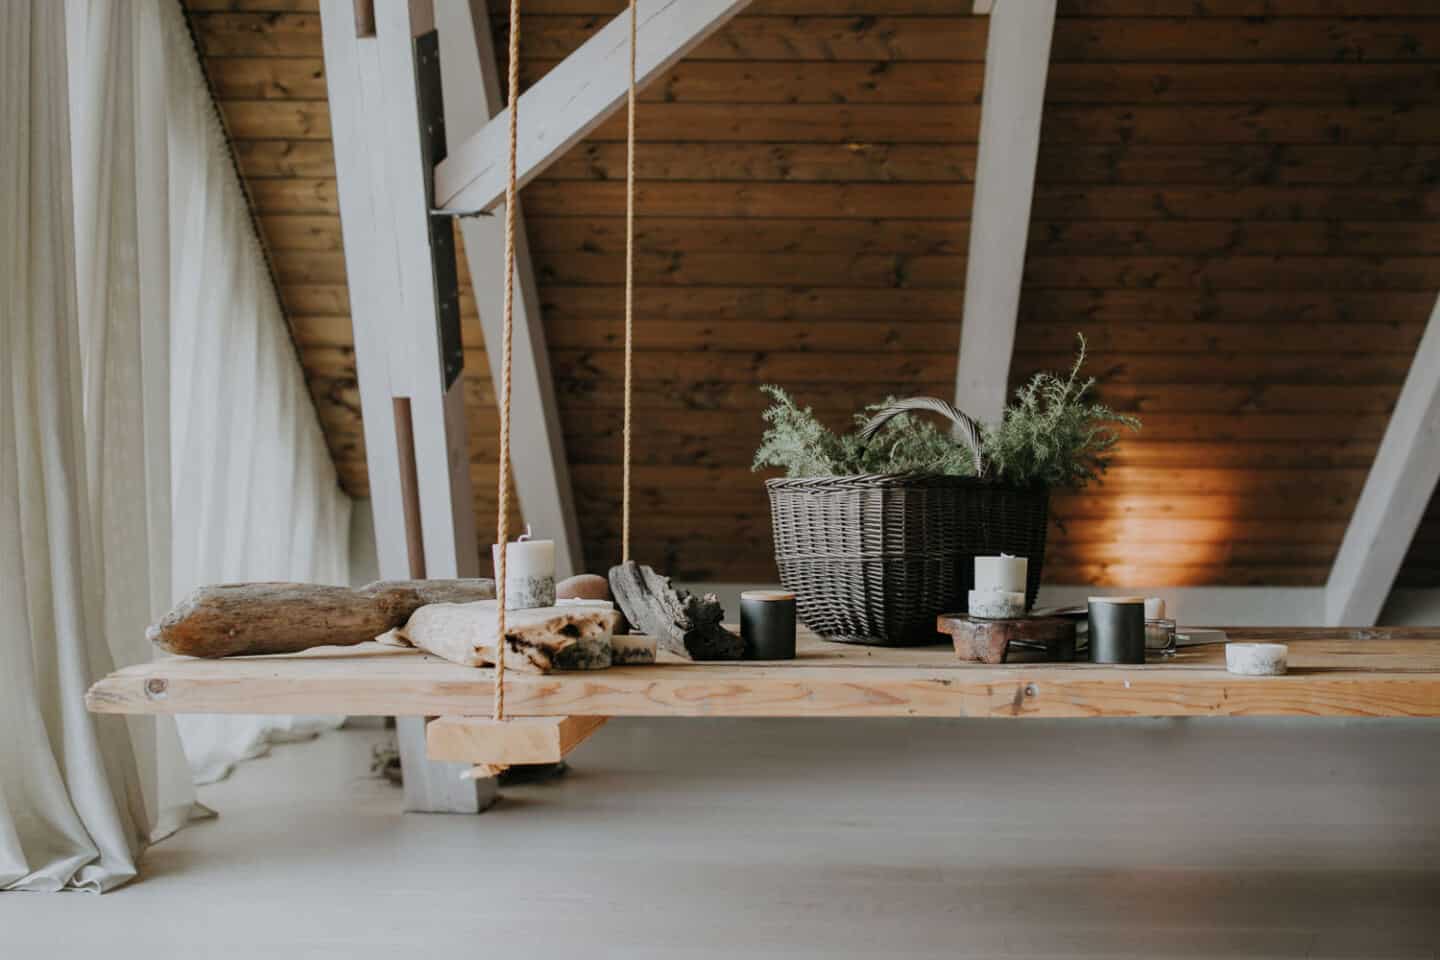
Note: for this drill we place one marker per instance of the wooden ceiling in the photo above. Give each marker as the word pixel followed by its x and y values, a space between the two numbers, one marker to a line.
pixel 1237 207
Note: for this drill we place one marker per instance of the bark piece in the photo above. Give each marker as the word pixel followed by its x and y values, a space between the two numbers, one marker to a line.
pixel 248 619
pixel 536 641
pixel 682 622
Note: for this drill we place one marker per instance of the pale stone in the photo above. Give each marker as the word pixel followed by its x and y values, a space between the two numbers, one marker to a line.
pixel 630 650
pixel 1256 659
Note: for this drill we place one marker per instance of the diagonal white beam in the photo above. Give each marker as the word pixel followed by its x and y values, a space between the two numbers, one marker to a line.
pixel 575 97
pixel 1396 493
pixel 1017 58
pixel 542 478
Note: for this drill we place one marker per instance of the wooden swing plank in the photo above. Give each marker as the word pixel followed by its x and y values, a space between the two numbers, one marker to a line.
pixel 507 742
pixel 1334 672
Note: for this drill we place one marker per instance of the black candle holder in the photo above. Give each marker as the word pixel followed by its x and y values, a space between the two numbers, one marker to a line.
pixel 767 624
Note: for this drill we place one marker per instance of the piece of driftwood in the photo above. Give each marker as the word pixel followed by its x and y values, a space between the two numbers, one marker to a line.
pixel 570 637
pixel 989 641
pixel 684 624
pixel 247 619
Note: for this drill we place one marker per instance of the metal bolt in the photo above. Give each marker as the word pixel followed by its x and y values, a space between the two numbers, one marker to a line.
pixel 155 688
pixel 1031 690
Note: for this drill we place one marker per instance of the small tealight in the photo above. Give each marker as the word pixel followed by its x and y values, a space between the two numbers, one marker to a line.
pixel 1256 659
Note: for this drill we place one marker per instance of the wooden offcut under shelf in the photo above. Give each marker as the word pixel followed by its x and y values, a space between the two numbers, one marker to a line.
pixel 1334 672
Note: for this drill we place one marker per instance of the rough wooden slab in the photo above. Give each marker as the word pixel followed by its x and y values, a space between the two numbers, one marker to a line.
pixel 250 619
pixel 481 740
pixel 989 641
pixel 1338 673
pixel 571 637
pixel 684 624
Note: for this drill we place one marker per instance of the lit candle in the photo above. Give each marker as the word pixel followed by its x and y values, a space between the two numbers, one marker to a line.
pixel 1003 573
pixel 529 572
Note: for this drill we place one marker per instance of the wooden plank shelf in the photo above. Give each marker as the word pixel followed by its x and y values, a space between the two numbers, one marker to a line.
pixel 1334 672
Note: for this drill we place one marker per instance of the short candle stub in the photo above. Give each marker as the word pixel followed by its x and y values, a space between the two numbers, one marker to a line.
pixel 1257 659
pixel 767 624
pixel 1117 630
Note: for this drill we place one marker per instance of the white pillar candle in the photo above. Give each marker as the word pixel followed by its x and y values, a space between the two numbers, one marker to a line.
pixel 997 604
pixel 529 573
pixel 1004 573
pixel 1154 608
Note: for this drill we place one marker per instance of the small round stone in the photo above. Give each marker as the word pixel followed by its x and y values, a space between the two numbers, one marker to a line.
pixel 585 586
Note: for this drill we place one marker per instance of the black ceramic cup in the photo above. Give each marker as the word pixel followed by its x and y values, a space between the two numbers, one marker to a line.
pixel 767 624
pixel 1117 629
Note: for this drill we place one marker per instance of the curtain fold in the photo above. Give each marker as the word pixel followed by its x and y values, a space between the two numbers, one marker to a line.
pixel 156 432
pixel 254 491
pixel 71 793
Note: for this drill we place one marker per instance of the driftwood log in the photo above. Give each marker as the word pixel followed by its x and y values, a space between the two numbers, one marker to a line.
pixel 683 623
pixel 247 619
pixel 538 640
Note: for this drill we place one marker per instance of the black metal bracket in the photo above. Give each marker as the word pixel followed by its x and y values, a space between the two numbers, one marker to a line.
pixel 431 108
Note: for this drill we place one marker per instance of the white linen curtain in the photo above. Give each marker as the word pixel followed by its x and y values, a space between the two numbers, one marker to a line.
pixel 255 495
pixel 72 801
pixel 154 427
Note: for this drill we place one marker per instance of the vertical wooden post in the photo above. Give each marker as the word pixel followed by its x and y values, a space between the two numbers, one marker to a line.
pixel 388 132
pixel 473 96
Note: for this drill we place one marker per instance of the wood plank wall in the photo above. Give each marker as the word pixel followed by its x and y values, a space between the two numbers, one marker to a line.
pixel 1240 212
pixel 1236 202
pixel 803 202
pixel 265 64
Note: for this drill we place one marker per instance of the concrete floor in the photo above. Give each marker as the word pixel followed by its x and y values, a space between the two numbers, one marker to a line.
pixel 711 838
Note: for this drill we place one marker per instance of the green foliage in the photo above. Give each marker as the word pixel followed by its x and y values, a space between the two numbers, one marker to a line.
pixel 1049 436
pixel 802 446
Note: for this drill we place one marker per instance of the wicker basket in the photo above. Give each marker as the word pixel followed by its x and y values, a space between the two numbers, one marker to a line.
pixel 875 558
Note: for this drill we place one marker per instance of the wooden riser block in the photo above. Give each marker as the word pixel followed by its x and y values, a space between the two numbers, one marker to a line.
pixel 502 743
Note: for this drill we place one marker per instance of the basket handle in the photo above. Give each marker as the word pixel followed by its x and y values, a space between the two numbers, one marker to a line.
pixel 965 429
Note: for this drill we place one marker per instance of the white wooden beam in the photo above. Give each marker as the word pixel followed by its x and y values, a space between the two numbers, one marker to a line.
pixel 401 303
pixel 575 97
pixel 1017 58
pixel 1397 490
pixel 473 95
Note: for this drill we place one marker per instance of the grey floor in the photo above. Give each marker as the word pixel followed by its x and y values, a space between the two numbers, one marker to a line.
pixel 712 838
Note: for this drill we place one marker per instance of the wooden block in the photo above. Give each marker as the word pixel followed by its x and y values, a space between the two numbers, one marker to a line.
pixel 988 641
pixel 502 743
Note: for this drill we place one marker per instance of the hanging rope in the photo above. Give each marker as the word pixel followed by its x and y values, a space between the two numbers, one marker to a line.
pixel 502 513
pixel 629 294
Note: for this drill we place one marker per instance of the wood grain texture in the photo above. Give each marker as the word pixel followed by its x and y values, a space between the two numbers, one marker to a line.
pixel 481 740
pixel 1236 200
pixel 1341 673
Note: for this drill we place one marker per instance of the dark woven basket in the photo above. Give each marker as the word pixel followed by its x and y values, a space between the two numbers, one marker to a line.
pixel 876 558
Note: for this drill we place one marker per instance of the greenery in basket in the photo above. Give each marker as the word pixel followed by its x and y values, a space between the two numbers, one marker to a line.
pixel 1051 435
